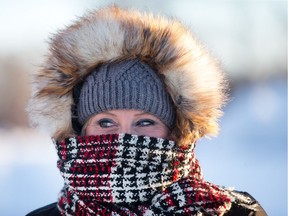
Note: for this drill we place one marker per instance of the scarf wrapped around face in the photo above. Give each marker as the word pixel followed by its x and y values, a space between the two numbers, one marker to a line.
pixel 124 174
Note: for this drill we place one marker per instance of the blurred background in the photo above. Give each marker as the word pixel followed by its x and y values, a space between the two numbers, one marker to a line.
pixel 248 36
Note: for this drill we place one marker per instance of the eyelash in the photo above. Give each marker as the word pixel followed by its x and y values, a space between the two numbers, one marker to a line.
pixel 105 121
pixel 150 122
pixel 141 123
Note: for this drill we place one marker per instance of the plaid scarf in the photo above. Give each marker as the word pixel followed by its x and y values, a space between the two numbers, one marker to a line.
pixel 126 174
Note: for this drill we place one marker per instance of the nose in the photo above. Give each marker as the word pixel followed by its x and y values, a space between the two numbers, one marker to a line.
pixel 126 129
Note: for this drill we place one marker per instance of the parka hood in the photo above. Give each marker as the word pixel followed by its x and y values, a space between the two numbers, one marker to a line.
pixel 192 77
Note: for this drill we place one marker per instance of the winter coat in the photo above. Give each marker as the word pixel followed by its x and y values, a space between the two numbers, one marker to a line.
pixel 236 209
pixel 191 76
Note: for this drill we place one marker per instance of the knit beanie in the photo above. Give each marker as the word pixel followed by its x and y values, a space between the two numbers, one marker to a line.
pixel 129 84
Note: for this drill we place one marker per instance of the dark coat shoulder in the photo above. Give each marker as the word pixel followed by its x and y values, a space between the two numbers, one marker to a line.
pixel 49 210
pixel 245 204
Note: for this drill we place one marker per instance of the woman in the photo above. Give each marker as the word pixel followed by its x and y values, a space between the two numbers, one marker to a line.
pixel 125 97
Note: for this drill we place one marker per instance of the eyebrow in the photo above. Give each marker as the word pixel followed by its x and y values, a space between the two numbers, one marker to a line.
pixel 107 112
pixel 139 114
pixel 144 113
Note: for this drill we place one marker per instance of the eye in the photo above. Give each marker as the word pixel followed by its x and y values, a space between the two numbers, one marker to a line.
pixel 106 123
pixel 145 122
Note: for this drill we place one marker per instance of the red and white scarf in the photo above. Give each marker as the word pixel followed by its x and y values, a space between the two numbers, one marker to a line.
pixel 125 174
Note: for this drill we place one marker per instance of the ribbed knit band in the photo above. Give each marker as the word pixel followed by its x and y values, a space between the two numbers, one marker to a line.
pixel 130 84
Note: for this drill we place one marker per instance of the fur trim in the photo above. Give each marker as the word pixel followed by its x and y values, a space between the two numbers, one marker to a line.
pixel 192 77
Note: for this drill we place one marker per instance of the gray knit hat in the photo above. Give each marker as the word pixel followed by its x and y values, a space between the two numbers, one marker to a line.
pixel 130 84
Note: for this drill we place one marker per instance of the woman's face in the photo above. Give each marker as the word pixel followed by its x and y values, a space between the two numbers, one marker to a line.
pixel 127 121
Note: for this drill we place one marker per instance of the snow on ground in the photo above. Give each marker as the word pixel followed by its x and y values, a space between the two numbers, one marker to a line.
pixel 29 177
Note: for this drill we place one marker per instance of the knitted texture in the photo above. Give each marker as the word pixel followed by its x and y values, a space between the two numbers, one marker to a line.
pixel 134 175
pixel 130 84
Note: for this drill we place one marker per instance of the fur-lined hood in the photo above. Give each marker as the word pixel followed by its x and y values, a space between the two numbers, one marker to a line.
pixel 192 77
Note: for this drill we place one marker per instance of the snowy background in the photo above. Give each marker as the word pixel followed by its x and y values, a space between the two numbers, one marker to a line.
pixel 250 39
